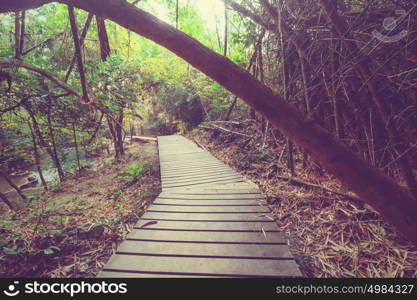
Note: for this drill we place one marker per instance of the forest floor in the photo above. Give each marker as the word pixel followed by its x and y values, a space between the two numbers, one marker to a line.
pixel 72 230
pixel 330 235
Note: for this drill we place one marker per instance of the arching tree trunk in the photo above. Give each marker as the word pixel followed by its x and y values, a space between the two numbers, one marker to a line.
pixel 368 183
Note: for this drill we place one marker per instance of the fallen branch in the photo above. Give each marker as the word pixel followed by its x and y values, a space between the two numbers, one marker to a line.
pixel 20 64
pixel 224 129
pixel 299 182
pixel 143 139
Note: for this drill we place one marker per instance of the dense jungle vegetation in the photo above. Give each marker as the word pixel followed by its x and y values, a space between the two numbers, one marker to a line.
pixel 315 101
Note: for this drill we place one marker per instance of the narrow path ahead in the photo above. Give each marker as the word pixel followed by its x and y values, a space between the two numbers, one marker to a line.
pixel 207 222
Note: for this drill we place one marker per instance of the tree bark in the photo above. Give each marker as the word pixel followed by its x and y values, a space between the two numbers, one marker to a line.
pixel 381 192
pixel 82 38
pixel 22 33
pixel 78 54
pixel 17 33
pixel 37 157
pixel 103 38
pixel 15 187
pixel 6 201
pixel 77 152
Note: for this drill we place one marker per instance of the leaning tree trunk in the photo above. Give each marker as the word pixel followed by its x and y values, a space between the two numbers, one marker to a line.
pixel 15 187
pixel 368 183
pixel 6 201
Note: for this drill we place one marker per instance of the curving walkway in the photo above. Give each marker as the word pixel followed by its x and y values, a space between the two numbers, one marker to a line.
pixel 207 222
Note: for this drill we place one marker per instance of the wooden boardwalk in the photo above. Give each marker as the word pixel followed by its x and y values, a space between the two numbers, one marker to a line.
pixel 207 222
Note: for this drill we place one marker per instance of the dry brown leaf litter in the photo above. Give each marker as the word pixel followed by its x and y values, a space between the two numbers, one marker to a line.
pixel 329 236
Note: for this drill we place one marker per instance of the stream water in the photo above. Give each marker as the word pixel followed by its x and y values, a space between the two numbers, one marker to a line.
pixel 69 162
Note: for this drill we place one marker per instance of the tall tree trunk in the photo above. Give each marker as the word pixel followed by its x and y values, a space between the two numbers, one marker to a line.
pixel 78 54
pixel 37 157
pixel 96 130
pixel 82 38
pixel 226 30
pixel 22 33
pixel 285 79
pixel 103 38
pixel 177 14
pixel 43 143
pixel 379 191
pixel 54 150
pixel 17 33
pixel 77 152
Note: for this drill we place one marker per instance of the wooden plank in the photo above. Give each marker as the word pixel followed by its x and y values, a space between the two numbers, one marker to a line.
pixel 110 274
pixel 208 202
pixel 207 226
pixel 207 237
pixel 216 267
pixel 207 217
pixel 205 250
pixel 172 195
pixel 183 165
pixel 193 170
pixel 217 190
pixel 208 209
pixel 201 174
pixel 219 181
pixel 200 179
pixel 198 174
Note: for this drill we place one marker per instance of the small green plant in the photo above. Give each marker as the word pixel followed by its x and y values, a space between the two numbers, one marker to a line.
pixel 135 170
pixel 116 194
pixel 7 223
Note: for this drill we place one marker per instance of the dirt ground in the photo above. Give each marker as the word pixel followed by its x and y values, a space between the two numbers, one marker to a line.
pixel 72 230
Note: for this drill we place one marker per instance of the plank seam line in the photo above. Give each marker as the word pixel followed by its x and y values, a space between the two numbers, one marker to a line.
pixel 205 212
pixel 207 256
pixel 198 274
pixel 217 194
pixel 218 199
pixel 205 230
pixel 242 221
pixel 208 205
pixel 208 242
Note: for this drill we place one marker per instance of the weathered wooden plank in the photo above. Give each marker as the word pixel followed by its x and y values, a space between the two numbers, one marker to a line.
pixel 207 209
pixel 219 181
pixel 207 226
pixel 110 274
pixel 217 267
pixel 207 216
pixel 208 237
pixel 170 195
pixel 203 179
pixel 215 190
pixel 198 174
pixel 160 201
pixel 190 164
pixel 173 171
pixel 206 250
